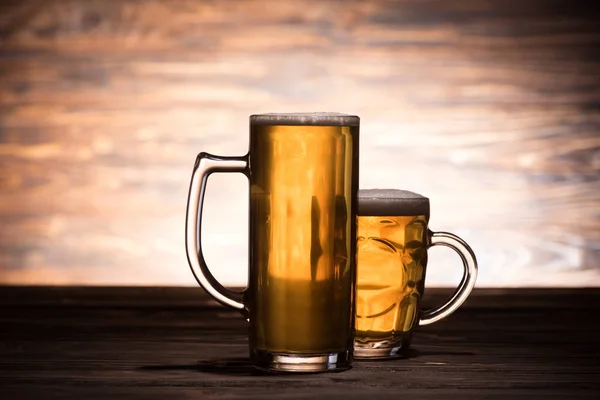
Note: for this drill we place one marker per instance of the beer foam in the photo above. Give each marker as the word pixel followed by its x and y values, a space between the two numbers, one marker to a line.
pixel 312 118
pixel 391 202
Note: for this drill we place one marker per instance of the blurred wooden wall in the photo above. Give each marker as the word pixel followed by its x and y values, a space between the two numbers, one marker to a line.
pixel 491 108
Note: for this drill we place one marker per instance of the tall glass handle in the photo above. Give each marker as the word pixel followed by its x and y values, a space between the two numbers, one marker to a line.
pixel 205 165
pixel 467 282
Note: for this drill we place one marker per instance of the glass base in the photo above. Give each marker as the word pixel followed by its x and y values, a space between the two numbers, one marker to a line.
pixel 381 349
pixel 289 362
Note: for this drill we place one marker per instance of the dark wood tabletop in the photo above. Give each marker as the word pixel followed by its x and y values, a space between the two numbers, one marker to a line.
pixel 96 342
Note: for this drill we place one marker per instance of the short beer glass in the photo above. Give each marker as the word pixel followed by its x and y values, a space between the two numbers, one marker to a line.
pixel 393 238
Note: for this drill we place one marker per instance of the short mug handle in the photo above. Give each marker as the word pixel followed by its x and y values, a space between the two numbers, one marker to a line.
pixel 205 165
pixel 467 282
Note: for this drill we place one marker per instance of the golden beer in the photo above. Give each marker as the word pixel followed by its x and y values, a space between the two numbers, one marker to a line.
pixel 301 238
pixel 391 257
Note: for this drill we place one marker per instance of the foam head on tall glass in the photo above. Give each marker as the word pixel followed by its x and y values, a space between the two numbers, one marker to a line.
pixel 303 173
pixel 392 243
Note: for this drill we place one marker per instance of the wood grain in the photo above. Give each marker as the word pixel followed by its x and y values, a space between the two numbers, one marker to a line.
pixel 492 109
pixel 79 342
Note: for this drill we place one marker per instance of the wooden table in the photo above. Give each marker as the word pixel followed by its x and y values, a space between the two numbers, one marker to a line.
pixel 74 342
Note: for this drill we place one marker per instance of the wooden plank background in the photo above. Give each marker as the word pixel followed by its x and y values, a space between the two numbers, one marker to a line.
pixel 490 108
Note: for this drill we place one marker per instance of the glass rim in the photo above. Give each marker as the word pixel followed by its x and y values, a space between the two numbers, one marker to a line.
pixel 391 203
pixel 304 119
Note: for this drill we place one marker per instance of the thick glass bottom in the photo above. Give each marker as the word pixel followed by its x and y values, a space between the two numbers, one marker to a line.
pixel 381 349
pixel 289 362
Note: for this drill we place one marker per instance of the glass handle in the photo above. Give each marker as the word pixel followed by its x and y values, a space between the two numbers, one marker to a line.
pixel 205 165
pixel 467 282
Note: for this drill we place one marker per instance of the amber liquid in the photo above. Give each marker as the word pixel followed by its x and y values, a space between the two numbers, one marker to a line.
pixel 302 228
pixel 391 262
